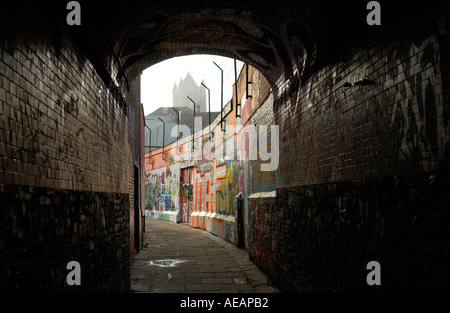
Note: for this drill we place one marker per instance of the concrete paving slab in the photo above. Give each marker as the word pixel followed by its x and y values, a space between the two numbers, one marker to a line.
pixel 181 259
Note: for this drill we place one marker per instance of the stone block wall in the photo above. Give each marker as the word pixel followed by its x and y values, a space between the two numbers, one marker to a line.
pixel 44 229
pixel 64 184
pixel 320 238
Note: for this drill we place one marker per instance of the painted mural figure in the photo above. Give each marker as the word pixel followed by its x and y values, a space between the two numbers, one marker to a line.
pixel 162 187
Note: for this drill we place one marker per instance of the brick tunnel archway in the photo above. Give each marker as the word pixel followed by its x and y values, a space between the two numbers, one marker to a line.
pixel 147 33
pixel 378 161
pixel 160 37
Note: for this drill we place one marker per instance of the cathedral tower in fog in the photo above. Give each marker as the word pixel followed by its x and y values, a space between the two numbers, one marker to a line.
pixel 188 87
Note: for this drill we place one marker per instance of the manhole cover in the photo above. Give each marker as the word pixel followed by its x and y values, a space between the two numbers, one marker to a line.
pixel 166 263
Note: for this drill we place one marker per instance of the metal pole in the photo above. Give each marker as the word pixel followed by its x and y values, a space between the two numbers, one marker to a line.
pixel 192 102
pixel 178 124
pixel 193 125
pixel 209 107
pixel 221 96
pixel 246 80
pixel 150 137
pixel 235 87
pixel 164 131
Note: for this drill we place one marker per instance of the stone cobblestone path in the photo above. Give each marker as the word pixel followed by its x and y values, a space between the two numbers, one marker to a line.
pixel 180 259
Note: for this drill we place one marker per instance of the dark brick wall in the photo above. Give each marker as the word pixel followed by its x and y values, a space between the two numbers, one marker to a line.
pixel 61 126
pixel 398 123
pixel 320 238
pixel 364 149
pixel 64 162
pixel 42 229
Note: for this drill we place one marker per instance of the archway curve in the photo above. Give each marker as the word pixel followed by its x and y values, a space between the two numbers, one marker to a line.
pixel 281 50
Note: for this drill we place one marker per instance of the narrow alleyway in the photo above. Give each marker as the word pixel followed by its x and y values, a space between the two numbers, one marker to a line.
pixel 199 262
pixel 328 151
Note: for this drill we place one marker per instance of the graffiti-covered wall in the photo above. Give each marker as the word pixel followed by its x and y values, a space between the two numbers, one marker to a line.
pixel 186 194
pixel 215 186
pixel 221 183
pixel 163 193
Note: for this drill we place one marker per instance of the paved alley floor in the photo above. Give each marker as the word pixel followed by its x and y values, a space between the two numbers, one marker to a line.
pixel 181 259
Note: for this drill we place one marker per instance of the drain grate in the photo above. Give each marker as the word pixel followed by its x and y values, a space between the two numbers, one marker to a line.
pixel 167 262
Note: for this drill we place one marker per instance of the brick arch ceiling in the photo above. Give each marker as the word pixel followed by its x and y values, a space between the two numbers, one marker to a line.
pixel 286 40
pixel 276 37
pixel 160 37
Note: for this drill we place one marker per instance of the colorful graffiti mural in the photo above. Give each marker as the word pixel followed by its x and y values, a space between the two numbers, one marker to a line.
pixel 186 194
pixel 204 191
pixel 162 188
pixel 229 187
pixel 214 189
